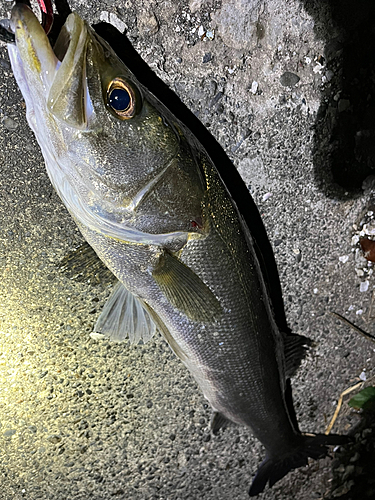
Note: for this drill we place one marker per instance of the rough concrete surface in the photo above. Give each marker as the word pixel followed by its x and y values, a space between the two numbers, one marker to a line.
pixel 286 88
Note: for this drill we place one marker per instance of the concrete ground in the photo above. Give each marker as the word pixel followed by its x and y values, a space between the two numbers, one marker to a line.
pixel 286 88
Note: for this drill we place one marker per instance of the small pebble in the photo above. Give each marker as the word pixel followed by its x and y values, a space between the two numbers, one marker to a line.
pixel 344 258
pixel 289 79
pixel 9 433
pixel 254 87
pixel 266 196
pixel 9 123
pixel 207 57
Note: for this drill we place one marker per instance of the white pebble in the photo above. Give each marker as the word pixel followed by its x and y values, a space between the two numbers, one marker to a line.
pixel 369 229
pixel 266 196
pixel 363 376
pixel 254 87
pixel 344 258
pixel 355 239
pixel 363 287
pixel 109 17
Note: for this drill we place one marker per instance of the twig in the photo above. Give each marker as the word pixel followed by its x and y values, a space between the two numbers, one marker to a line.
pixel 339 404
pixel 368 336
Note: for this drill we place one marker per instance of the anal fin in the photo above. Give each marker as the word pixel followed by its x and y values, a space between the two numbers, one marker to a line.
pixel 124 317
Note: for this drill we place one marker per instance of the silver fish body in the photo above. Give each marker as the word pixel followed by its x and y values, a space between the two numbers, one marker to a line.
pixel 148 199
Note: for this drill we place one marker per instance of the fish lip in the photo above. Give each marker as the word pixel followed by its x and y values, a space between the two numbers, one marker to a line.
pixel 33 44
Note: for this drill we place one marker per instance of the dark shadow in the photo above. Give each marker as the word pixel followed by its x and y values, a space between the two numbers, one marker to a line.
pixel 344 152
pixel 344 155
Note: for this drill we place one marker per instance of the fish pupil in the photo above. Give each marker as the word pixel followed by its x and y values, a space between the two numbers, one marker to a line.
pixel 119 99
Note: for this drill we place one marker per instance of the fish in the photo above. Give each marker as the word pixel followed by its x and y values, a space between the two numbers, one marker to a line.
pixel 150 202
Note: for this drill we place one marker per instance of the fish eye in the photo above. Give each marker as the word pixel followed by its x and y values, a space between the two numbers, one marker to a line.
pixel 121 99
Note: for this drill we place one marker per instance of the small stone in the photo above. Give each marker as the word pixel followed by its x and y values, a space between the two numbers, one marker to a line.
pixel 266 196
pixel 369 228
pixel 4 64
pixel 111 18
pixel 344 258
pixel 147 23
pixel 289 79
pixel 254 87
pixel 9 123
pixel 195 5
pixel 9 433
pixel 207 57
pixel 355 239
pixel 54 439
pixel 363 287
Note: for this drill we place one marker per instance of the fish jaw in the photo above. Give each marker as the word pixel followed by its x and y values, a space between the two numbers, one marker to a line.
pixel 34 47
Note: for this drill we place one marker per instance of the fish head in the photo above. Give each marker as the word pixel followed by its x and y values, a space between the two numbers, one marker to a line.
pixel 110 147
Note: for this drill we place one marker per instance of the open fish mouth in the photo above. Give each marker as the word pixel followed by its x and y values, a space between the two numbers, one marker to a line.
pixel 59 71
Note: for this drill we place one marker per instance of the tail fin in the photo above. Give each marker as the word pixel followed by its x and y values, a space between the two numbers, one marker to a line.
pixel 273 469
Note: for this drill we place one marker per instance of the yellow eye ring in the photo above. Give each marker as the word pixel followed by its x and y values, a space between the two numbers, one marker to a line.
pixel 121 99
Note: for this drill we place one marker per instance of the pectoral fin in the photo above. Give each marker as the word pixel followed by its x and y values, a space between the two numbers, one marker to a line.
pixel 185 290
pixel 124 317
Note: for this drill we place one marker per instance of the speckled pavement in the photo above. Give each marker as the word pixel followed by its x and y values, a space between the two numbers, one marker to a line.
pixel 82 419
